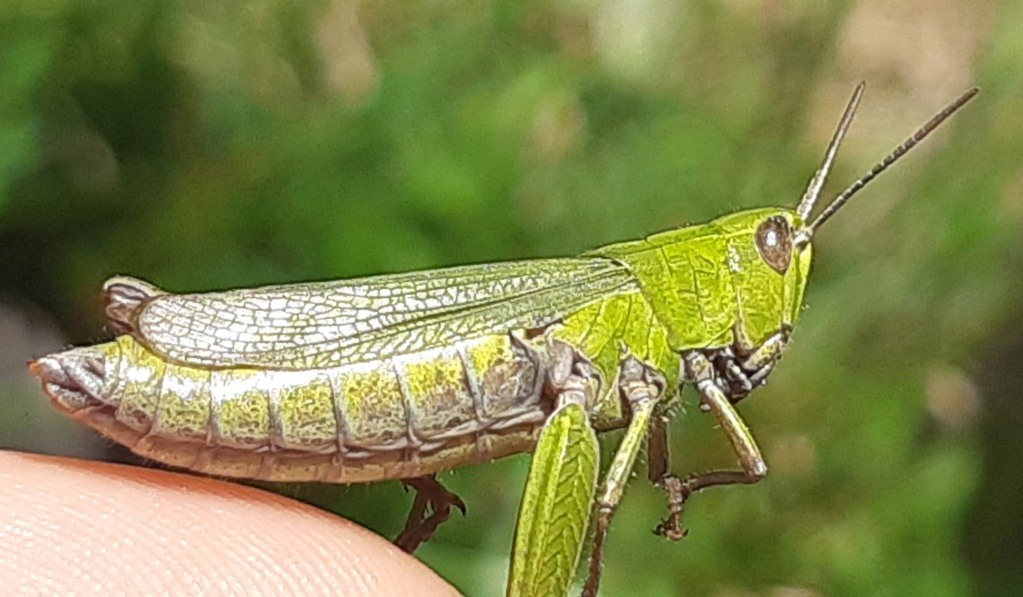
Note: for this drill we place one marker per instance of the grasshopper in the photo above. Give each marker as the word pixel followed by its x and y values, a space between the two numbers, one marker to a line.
pixel 406 375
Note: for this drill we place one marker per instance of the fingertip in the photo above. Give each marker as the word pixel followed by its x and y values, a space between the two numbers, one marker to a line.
pixel 86 527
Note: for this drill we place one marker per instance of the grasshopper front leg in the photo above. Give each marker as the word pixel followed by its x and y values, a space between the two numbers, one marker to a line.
pixel 700 371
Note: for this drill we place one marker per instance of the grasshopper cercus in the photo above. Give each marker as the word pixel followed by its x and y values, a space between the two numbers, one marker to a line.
pixel 401 376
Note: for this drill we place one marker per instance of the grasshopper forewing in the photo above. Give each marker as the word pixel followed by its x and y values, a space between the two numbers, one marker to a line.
pixel 402 376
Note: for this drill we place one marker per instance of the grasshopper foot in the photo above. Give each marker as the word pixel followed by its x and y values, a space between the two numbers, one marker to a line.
pixel 420 526
pixel 671 527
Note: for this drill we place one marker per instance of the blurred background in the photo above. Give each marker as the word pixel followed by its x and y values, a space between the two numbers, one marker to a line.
pixel 205 146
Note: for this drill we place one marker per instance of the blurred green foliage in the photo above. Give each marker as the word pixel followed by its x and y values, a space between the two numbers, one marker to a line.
pixel 212 145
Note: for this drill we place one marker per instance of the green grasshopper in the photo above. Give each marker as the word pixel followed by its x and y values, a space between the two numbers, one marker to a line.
pixel 402 376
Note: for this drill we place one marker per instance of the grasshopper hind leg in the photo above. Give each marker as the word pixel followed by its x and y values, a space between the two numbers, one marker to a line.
pixel 122 296
pixel 430 509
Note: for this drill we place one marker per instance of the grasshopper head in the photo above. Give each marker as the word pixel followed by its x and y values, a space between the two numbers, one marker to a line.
pixel 770 250
pixel 768 269
pixel 768 254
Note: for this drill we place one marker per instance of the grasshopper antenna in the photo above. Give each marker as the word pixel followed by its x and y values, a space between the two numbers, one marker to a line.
pixel 806 205
pixel 813 190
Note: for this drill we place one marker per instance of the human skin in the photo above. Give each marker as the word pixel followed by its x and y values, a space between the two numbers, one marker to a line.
pixel 92 528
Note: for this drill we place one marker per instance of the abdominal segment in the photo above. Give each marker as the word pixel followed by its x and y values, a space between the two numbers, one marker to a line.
pixel 400 417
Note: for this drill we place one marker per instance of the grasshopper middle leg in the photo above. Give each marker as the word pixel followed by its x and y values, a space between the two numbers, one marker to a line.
pixel 641 386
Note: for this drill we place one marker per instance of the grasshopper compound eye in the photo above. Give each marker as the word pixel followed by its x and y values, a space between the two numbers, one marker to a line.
pixel 774 242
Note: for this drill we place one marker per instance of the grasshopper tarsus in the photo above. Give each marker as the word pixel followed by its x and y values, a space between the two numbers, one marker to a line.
pixel 671 527
pixel 430 496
